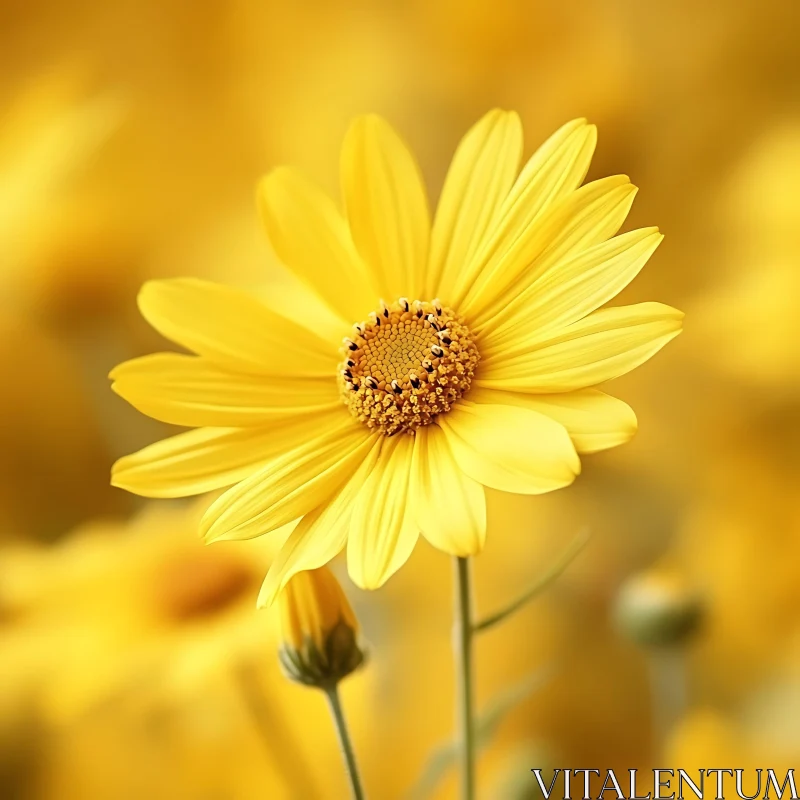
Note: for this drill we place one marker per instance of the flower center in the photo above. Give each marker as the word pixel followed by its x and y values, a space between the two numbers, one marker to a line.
pixel 406 364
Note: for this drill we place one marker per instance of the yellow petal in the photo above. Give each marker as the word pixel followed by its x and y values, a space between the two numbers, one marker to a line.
pixel 188 390
pixel 320 535
pixel 386 204
pixel 449 506
pixel 598 348
pixel 483 170
pixel 289 486
pixel 311 237
pixel 292 299
pixel 509 448
pixel 205 459
pixel 382 530
pixel 594 420
pixel 234 328
pixel 577 222
pixel 570 290
pixel 555 169
pixel 553 172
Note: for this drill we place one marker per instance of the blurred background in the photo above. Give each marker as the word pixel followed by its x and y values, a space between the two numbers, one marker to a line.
pixel 132 660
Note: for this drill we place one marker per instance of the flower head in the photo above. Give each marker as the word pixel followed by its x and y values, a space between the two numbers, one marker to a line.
pixel 658 609
pixel 449 355
pixel 319 631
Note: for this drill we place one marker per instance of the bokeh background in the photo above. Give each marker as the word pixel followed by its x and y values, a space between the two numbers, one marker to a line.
pixel 132 660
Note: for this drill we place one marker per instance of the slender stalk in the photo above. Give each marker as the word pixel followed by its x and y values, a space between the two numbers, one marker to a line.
pixel 668 692
pixel 463 655
pixel 345 743
pixel 539 586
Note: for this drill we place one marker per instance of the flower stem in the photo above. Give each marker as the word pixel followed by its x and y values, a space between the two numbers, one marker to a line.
pixel 345 743
pixel 668 692
pixel 463 655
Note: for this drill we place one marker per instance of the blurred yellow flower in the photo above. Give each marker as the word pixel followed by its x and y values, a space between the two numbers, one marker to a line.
pixel 486 354
pixel 171 610
pixel 707 736
pixel 704 737
pixel 318 630
pixel 158 647
pixel 748 322
pixel 740 541
pixel 49 133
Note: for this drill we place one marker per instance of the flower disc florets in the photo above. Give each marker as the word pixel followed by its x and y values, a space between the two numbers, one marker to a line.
pixel 406 364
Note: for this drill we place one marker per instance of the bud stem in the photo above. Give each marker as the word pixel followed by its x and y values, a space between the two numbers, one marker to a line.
pixel 668 692
pixel 463 655
pixel 345 744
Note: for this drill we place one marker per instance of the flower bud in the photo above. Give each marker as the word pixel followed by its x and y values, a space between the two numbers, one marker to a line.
pixel 655 609
pixel 319 631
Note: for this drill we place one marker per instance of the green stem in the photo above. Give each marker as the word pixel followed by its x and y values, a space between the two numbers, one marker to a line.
pixel 463 655
pixel 668 692
pixel 345 743
pixel 539 586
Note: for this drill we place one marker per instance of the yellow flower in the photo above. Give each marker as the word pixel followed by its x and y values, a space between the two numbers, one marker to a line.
pixel 754 303
pixel 486 348
pixel 171 609
pixel 159 651
pixel 318 629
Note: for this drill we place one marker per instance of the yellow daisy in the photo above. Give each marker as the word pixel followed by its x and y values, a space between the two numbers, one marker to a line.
pixel 478 341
